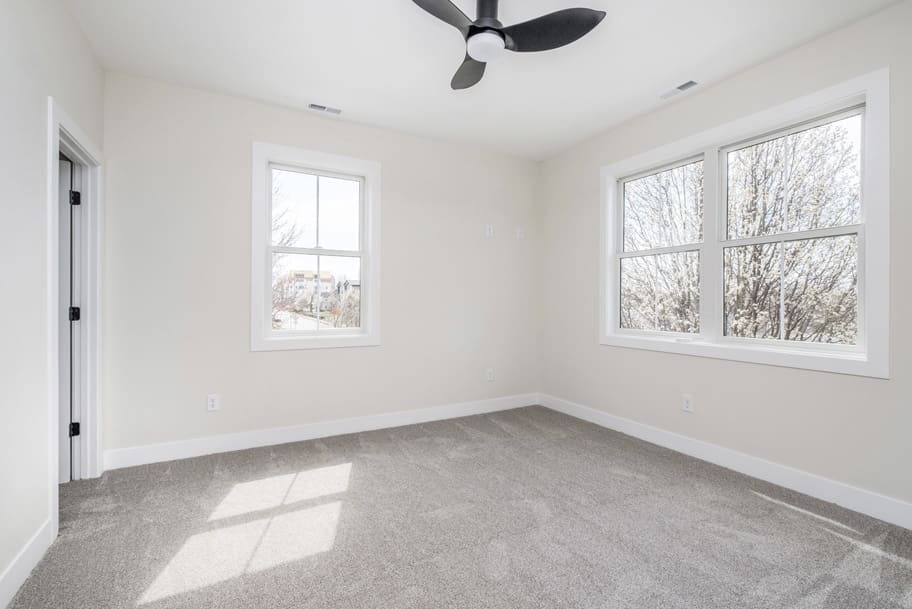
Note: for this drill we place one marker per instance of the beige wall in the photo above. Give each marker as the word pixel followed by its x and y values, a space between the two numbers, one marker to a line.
pixel 177 251
pixel 177 272
pixel 41 54
pixel 855 430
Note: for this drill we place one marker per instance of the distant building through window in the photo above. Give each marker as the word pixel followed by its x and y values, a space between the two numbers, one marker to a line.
pixel 318 241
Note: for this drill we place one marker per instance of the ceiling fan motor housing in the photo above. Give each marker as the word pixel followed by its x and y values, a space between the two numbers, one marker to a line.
pixel 487 10
pixel 486 20
pixel 486 37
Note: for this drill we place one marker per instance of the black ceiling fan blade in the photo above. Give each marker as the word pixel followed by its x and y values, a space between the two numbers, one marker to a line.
pixel 448 12
pixel 553 30
pixel 468 74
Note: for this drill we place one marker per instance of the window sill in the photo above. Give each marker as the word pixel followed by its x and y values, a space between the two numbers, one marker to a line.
pixel 839 362
pixel 295 343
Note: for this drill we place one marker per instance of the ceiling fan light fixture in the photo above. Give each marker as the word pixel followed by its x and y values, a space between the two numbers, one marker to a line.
pixel 486 46
pixel 487 39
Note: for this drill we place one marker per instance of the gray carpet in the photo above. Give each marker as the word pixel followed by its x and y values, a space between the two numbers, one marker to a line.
pixel 525 508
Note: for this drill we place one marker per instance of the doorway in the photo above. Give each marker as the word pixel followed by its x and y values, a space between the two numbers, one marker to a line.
pixel 74 239
pixel 69 317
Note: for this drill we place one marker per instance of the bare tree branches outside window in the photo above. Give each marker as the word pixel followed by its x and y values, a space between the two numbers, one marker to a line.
pixel 285 233
pixel 784 283
pixel 662 291
pixel 664 209
pixel 799 290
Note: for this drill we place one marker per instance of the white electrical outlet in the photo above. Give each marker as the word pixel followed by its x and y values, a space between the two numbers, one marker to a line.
pixel 213 402
pixel 687 403
pixel 520 233
pixel 489 231
pixel 489 375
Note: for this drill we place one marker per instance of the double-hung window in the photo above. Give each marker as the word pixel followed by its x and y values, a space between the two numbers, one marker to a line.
pixel 315 280
pixel 790 253
pixel 660 262
pixel 766 240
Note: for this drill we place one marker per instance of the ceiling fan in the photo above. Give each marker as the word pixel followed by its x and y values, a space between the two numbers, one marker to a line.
pixel 486 37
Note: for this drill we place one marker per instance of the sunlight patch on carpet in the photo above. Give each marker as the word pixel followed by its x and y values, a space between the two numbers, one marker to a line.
pixel 229 552
pixel 268 493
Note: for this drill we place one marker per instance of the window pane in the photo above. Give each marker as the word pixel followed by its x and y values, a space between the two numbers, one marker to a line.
pixel 824 175
pixel 340 299
pixel 340 210
pixel 752 290
pixel 756 189
pixel 294 292
pixel 821 290
pixel 664 209
pixel 806 180
pixel 661 292
pixel 294 209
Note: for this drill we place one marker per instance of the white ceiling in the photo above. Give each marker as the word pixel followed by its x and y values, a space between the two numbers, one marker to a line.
pixel 388 63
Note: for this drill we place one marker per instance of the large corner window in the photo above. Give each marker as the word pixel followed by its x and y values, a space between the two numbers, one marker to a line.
pixel 315 250
pixel 759 243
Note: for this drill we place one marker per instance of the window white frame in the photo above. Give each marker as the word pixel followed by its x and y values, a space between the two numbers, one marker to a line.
pixel 262 336
pixel 870 356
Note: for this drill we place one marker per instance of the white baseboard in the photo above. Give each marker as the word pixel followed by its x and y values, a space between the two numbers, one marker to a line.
pixel 15 574
pixel 196 447
pixel 873 504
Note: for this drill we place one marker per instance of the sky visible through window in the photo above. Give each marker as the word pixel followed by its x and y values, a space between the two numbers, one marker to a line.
pixel 294 212
pixel 312 291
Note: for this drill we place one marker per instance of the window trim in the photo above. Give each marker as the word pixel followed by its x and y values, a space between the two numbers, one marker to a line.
pixel 265 158
pixel 870 357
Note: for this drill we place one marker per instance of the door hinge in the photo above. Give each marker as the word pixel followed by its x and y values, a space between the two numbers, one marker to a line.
pixel 75 313
pixel 74 429
pixel 75 197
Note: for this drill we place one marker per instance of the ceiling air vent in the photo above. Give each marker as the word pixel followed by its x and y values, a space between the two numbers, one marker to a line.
pixel 322 108
pixel 679 89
